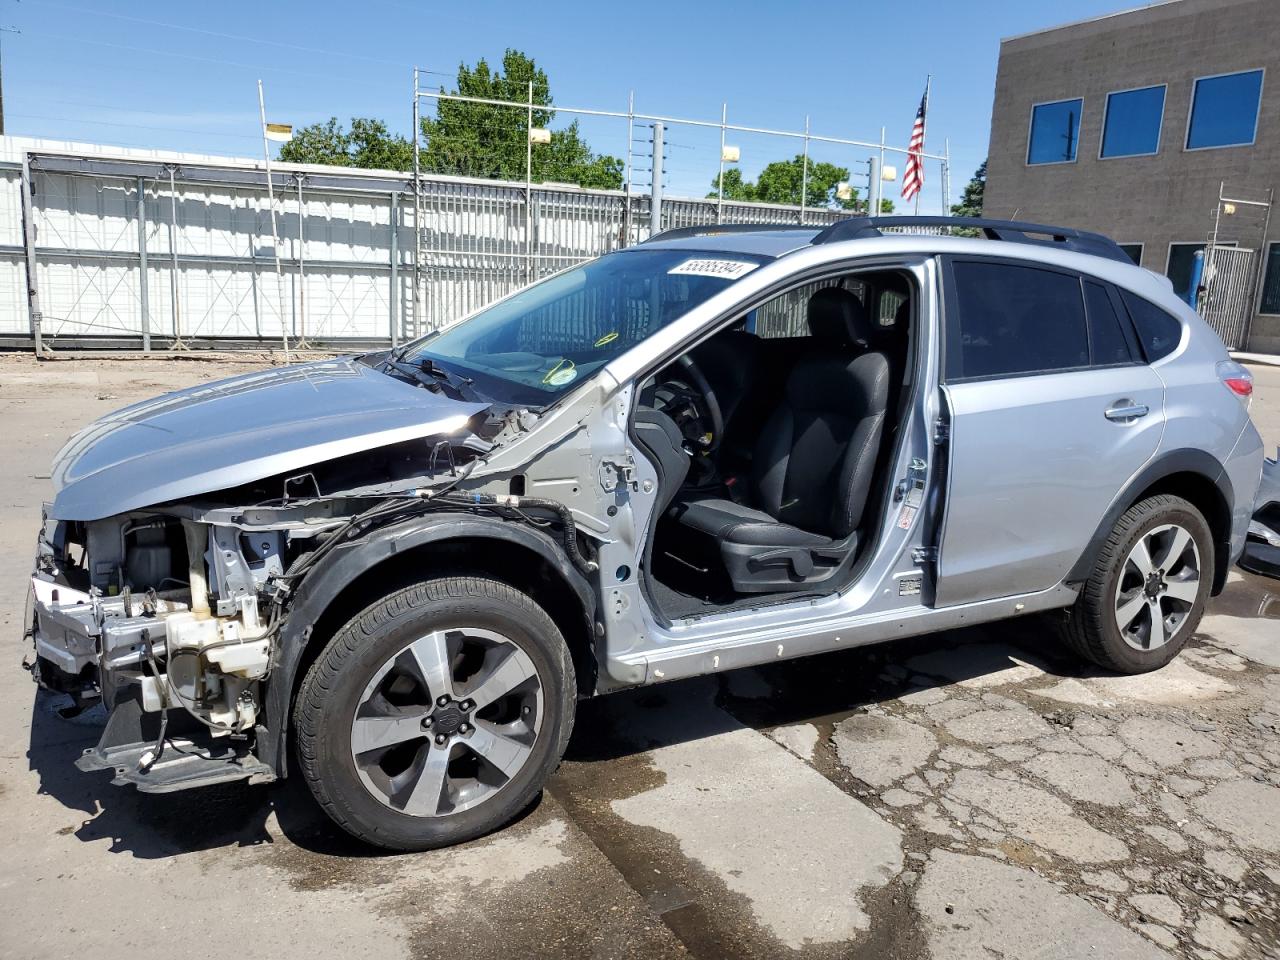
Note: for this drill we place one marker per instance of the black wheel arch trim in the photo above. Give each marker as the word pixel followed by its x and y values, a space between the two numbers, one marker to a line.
pixel 1184 460
pixel 348 562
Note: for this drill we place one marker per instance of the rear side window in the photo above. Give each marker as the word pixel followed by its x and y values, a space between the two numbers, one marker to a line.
pixel 1012 320
pixel 1107 342
pixel 1159 332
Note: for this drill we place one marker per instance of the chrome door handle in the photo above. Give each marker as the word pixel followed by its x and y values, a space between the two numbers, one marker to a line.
pixel 1125 411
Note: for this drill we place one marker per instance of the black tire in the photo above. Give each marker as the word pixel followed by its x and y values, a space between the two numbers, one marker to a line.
pixel 332 688
pixel 1090 626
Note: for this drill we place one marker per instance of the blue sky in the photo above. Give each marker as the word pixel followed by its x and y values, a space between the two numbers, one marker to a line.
pixel 182 76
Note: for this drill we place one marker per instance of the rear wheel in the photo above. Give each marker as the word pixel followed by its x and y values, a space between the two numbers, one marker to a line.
pixel 1149 589
pixel 436 714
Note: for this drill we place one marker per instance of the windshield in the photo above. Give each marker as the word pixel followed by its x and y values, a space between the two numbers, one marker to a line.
pixel 537 344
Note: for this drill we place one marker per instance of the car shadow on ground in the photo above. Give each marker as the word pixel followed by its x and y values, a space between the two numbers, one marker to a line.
pixel 153 826
pixel 820 690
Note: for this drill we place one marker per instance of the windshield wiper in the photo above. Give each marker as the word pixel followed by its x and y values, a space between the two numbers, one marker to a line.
pixel 436 378
pixel 397 354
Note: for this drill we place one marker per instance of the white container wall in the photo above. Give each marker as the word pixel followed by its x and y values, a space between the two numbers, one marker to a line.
pixel 349 277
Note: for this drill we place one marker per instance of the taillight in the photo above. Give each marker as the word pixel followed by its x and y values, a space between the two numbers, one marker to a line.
pixel 1237 379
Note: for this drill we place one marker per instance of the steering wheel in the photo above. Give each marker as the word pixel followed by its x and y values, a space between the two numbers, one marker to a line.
pixel 709 404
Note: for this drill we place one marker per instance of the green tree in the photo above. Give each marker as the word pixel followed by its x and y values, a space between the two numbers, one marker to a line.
pixel 783 182
pixel 735 188
pixel 318 143
pixel 970 204
pixel 369 144
pixel 490 141
pixel 374 148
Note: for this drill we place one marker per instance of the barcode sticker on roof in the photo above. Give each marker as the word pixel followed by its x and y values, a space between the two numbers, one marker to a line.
pixel 726 269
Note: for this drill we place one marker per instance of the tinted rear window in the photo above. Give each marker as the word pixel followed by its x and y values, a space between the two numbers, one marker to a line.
pixel 1159 332
pixel 1014 320
pixel 1106 337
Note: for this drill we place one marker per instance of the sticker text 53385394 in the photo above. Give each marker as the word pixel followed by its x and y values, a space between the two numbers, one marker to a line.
pixel 726 269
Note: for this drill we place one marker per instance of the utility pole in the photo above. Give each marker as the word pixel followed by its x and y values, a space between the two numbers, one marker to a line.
pixel 275 234
pixel 724 118
pixel 655 192
pixel 3 30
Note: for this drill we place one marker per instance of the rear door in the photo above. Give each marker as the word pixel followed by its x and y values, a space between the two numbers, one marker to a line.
pixel 1051 412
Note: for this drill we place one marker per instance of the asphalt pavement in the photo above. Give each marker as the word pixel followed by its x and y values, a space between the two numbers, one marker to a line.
pixel 971 793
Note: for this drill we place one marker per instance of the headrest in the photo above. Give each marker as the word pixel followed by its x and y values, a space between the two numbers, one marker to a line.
pixel 839 318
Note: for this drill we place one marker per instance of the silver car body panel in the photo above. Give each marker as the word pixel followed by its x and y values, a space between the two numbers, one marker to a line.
pixel 1034 467
pixel 1076 454
pixel 239 430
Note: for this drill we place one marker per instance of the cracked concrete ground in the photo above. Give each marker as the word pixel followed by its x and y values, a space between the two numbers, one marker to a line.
pixel 966 794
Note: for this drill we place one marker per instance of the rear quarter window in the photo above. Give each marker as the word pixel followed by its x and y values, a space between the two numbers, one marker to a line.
pixel 1158 332
pixel 1108 344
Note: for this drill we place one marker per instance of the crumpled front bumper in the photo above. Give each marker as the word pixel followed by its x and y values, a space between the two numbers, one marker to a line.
pixel 64 627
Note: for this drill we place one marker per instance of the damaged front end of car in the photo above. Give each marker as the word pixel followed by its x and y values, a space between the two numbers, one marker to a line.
pixel 180 530
pixel 153 613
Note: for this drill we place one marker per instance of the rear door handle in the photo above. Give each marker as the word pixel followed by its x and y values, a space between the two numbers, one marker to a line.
pixel 1126 411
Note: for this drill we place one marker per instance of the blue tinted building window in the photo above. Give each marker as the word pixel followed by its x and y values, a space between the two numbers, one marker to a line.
pixel 1224 110
pixel 1055 132
pixel 1132 124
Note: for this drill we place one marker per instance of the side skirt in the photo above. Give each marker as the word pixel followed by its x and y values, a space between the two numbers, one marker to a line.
pixel 745 649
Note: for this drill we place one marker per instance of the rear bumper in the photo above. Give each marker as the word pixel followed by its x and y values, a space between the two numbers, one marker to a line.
pixel 1243 468
pixel 1262 550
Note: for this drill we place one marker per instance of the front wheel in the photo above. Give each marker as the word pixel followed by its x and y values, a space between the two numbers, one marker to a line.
pixel 1149 589
pixel 436 714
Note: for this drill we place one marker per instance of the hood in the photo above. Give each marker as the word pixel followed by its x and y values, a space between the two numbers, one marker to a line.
pixel 236 431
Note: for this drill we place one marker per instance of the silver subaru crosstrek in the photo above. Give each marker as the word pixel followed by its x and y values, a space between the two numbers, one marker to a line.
pixel 395 574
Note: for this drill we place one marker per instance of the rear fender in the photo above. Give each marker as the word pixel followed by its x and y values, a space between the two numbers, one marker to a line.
pixel 1165 466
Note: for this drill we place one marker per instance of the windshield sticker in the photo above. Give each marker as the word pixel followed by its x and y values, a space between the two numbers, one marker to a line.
pixel 725 269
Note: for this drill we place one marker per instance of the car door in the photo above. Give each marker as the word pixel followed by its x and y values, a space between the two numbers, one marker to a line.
pixel 1051 412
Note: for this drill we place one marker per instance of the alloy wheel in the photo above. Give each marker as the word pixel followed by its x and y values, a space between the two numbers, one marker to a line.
pixel 1157 587
pixel 447 722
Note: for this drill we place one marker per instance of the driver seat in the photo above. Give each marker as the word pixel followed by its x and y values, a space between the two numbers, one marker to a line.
pixel 813 463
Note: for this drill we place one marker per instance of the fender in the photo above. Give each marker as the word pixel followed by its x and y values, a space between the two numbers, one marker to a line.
pixel 347 562
pixel 1184 460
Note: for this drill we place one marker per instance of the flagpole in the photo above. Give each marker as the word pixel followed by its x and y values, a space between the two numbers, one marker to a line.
pixel 924 132
pixel 275 236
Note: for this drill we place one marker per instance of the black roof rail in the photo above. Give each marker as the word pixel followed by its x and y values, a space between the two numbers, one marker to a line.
pixel 1012 231
pixel 715 229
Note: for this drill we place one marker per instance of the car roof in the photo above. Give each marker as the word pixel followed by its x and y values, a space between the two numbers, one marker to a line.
pixel 763 242
pixel 1065 247
pixel 779 240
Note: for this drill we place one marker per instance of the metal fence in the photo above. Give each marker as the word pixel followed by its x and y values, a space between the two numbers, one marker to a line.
pixel 1226 302
pixel 144 250
pixel 479 242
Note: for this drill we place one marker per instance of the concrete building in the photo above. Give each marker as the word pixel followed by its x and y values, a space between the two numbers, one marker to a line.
pixel 1131 124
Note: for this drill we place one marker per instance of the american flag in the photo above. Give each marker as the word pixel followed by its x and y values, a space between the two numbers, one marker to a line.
pixel 913 176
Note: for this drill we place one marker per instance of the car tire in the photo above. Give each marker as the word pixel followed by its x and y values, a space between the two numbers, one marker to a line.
pixel 1113 621
pixel 369 719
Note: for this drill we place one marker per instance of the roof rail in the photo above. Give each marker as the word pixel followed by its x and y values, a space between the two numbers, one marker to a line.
pixel 1011 231
pixel 715 229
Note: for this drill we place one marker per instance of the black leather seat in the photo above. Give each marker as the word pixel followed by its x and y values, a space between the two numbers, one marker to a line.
pixel 813 464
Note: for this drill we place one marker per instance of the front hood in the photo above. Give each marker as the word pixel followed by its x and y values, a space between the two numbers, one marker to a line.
pixel 236 431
